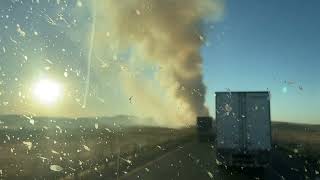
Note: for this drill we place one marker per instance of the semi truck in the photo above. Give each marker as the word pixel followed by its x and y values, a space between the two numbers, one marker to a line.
pixel 243 128
pixel 204 128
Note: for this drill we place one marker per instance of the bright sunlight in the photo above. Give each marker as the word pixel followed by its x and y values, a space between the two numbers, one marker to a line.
pixel 47 91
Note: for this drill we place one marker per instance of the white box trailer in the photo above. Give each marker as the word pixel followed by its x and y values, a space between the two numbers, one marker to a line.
pixel 243 128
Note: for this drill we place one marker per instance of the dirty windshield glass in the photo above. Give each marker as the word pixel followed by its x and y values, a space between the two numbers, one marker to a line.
pixel 159 89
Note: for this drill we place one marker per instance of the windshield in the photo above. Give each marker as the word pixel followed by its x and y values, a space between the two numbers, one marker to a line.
pixel 159 89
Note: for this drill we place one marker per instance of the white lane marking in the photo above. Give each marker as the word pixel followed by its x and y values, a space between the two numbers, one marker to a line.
pixel 151 162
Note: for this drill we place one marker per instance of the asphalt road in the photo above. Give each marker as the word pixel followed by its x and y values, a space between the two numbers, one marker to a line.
pixel 196 160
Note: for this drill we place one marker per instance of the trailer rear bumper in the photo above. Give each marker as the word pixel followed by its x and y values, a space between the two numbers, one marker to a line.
pixel 257 158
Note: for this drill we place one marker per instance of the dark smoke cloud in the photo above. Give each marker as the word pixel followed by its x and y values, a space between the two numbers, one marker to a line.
pixel 167 33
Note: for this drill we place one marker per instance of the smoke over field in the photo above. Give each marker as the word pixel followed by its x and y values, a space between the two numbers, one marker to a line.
pixel 166 34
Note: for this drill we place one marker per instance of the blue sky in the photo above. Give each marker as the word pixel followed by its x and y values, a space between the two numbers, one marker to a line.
pixel 260 45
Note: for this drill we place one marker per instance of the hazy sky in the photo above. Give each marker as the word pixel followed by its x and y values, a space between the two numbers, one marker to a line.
pixel 261 44
pixel 258 45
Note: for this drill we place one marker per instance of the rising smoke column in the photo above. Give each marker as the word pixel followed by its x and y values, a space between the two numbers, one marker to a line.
pixel 167 33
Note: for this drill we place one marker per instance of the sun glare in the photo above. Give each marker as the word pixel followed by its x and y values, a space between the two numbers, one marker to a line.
pixel 47 91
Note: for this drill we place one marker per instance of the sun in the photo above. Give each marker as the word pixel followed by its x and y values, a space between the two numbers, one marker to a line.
pixel 47 91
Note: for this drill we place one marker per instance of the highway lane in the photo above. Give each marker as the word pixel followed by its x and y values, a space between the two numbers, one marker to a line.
pixel 196 160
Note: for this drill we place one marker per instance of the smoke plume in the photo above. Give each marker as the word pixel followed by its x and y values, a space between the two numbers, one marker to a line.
pixel 166 33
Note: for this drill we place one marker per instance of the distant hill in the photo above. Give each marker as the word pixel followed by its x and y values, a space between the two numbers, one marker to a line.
pixel 296 127
pixel 17 121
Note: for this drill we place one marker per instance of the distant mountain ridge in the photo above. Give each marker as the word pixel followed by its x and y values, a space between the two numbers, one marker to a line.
pixel 25 121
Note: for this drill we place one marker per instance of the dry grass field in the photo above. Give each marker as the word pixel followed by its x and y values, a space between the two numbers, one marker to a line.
pixel 55 148
pixel 299 138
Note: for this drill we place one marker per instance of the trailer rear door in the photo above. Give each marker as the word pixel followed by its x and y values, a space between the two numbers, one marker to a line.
pixel 258 130
pixel 228 124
